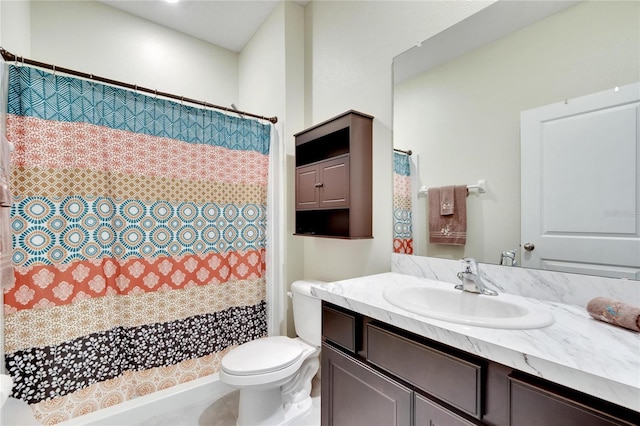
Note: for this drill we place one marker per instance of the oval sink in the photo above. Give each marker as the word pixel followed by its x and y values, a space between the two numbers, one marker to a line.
pixel 467 308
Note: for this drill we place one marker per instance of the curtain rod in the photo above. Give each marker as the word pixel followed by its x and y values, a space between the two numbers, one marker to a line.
pixel 408 152
pixel 10 57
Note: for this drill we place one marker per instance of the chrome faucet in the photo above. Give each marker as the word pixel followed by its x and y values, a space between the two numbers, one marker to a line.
pixel 508 258
pixel 471 280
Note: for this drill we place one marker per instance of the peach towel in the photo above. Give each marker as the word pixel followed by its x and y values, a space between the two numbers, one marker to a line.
pixel 615 312
pixel 448 228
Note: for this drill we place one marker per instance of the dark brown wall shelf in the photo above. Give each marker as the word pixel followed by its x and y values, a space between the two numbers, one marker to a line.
pixel 333 178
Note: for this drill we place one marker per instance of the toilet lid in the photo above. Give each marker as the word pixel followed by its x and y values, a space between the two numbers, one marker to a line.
pixel 262 356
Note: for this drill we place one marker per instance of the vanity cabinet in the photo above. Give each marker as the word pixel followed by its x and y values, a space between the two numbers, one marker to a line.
pixel 376 374
pixel 333 178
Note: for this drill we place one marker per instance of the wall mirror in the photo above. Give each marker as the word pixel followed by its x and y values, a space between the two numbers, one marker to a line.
pixel 458 99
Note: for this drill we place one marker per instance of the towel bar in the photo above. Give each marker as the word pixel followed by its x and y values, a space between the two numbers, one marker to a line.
pixel 479 188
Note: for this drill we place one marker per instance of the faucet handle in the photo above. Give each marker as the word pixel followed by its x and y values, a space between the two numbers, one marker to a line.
pixel 508 258
pixel 469 265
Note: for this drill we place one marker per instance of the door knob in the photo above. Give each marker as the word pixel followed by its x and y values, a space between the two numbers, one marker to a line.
pixel 319 185
pixel 529 246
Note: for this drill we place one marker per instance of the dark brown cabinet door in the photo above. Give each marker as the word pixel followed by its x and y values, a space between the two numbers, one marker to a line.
pixel 354 394
pixel 334 186
pixel 428 413
pixel 307 194
pixel 534 406
pixel 323 185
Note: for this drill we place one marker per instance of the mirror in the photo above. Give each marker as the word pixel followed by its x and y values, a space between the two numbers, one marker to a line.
pixel 458 99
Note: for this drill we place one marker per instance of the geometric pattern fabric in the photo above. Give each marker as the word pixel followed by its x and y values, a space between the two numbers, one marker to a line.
pixel 59 98
pixel 402 211
pixel 61 230
pixel 47 286
pixel 139 237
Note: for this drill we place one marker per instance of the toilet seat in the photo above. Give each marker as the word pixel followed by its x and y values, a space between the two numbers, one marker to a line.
pixel 262 356
pixel 269 361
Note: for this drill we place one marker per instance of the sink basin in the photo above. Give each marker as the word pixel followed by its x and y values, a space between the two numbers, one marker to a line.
pixel 467 308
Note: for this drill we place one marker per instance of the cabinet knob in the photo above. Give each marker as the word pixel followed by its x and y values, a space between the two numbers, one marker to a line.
pixel 319 185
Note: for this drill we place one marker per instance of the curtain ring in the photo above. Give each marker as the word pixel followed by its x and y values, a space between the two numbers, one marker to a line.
pixel 54 70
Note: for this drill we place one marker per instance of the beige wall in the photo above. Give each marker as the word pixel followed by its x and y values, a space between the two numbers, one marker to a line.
pixel 304 65
pixel 15 27
pixel 463 117
pixel 82 35
pixel 349 50
pixel 271 81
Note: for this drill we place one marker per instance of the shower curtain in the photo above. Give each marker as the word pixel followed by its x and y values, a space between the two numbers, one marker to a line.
pixel 139 228
pixel 402 221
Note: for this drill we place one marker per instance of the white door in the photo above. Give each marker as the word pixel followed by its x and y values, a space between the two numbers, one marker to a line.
pixel 581 184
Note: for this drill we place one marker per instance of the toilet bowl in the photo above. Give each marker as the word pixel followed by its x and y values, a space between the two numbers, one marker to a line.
pixel 274 374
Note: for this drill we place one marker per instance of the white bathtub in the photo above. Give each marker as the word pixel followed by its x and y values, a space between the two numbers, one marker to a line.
pixel 165 403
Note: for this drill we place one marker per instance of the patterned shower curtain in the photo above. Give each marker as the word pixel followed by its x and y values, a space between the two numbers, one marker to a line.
pixel 402 222
pixel 139 242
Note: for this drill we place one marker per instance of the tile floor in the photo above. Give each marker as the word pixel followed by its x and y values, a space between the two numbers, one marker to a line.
pixel 224 412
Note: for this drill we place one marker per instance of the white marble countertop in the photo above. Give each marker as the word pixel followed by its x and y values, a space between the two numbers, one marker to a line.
pixel 575 351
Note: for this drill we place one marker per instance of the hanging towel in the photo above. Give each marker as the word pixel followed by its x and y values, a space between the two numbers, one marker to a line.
pixel 447 200
pixel 449 228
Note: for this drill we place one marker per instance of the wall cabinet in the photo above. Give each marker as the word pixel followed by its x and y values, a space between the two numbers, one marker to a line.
pixel 323 185
pixel 374 373
pixel 333 178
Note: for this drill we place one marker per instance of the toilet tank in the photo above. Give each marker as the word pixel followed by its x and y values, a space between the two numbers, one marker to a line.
pixel 307 312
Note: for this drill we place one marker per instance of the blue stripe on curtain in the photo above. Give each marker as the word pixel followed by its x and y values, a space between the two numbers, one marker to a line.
pixel 37 93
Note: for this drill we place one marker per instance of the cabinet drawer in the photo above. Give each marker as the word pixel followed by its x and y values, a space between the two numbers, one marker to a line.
pixel 456 381
pixel 429 413
pixel 339 327
pixel 533 405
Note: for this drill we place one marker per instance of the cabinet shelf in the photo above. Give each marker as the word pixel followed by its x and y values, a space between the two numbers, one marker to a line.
pixel 333 178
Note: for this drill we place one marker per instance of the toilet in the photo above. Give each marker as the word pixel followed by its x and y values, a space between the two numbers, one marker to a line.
pixel 274 374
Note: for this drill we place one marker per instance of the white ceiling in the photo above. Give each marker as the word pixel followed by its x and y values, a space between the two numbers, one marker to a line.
pixel 226 23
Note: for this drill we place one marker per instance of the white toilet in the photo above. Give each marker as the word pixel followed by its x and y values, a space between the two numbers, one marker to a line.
pixel 274 373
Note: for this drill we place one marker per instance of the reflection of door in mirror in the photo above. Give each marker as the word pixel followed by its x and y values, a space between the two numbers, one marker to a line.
pixel 461 118
pixel 581 184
